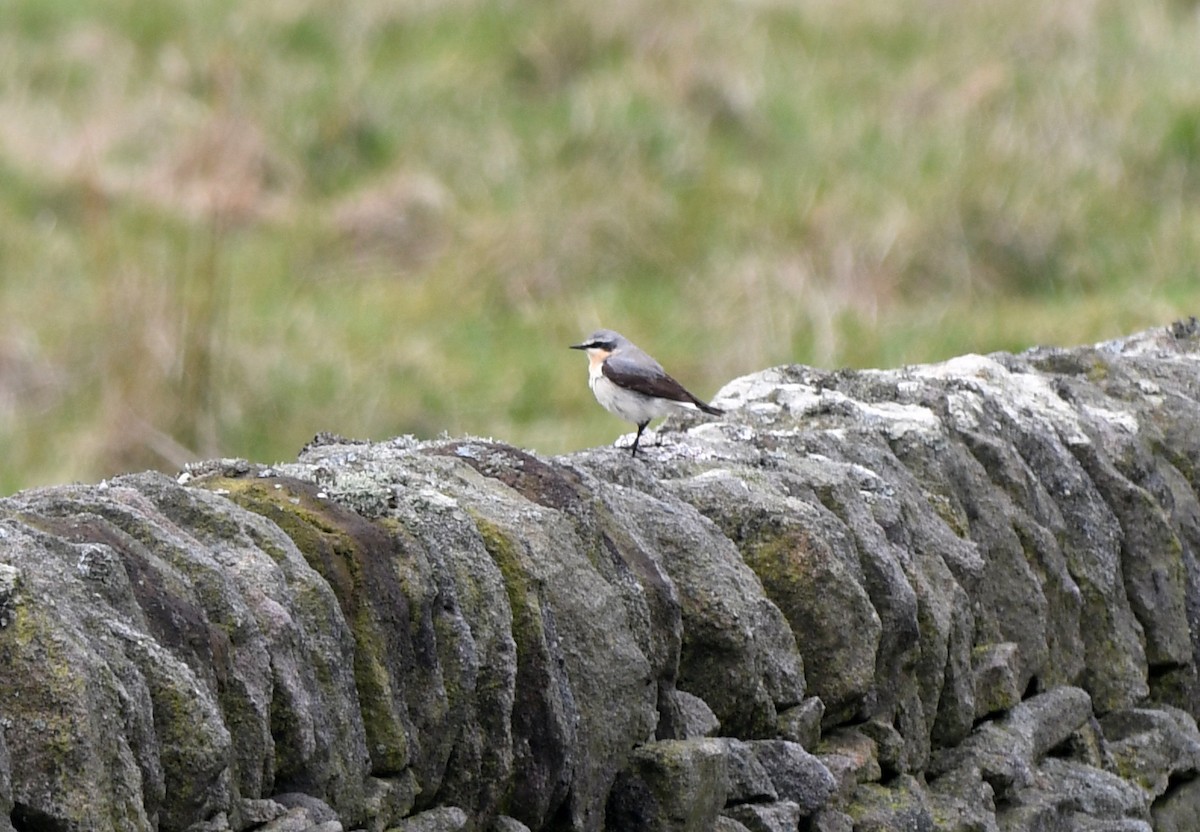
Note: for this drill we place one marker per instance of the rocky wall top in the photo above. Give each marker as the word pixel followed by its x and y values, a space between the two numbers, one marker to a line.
pixel 961 596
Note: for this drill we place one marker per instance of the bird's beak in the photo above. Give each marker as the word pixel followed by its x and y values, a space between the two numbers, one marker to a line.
pixel 579 346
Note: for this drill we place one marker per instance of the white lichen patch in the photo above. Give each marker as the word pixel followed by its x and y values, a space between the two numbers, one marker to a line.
pixel 436 499
pixel 769 387
pixel 1023 397
pixel 1120 419
pixel 966 410
pixel 901 420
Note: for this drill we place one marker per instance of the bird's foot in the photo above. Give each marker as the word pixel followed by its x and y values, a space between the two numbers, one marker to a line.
pixel 625 441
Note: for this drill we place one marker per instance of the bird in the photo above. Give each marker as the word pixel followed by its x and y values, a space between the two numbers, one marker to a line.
pixel 630 384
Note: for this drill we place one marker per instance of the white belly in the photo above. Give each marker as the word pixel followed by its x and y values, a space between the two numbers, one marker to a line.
pixel 629 405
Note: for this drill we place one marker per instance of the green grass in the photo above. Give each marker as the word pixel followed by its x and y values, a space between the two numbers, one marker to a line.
pixel 226 227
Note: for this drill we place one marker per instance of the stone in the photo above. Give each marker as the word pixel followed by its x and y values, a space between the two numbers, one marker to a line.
pixel 852 745
pixel 698 718
pixel 258 812
pixel 1006 752
pixel 1150 746
pixel 766 817
pixel 318 810
pixel 962 801
pixel 440 819
pixel 845 771
pixel 1092 791
pixel 6 802
pixel 291 820
pixel 890 748
pixel 389 799
pixel 802 723
pixel 728 824
pixel 831 820
pixel 1177 810
pixel 1087 823
pixel 217 823
pixel 901 805
pixel 738 652
pixel 10 580
pixel 1050 718
pixel 809 568
pixel 1035 818
pixel 797 775
pixel 676 785
pixel 996 669
pixel 749 781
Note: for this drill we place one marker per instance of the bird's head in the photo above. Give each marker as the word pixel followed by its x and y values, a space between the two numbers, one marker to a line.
pixel 602 343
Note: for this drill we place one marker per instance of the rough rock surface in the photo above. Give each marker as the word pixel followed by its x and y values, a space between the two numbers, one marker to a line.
pixel 970 590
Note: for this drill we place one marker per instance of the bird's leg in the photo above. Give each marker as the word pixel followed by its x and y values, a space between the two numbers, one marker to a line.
pixel 638 438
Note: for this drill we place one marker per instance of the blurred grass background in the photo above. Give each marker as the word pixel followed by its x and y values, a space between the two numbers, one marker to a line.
pixel 227 226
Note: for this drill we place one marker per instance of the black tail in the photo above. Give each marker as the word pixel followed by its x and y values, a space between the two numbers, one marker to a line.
pixel 708 408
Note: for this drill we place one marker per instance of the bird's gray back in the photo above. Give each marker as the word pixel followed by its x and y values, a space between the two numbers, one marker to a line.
pixel 629 360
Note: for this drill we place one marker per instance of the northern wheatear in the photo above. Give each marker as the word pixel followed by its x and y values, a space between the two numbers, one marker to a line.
pixel 631 384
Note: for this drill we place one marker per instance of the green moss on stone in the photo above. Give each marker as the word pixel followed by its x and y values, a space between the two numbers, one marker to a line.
pixel 521 597
pixel 1098 371
pixel 950 513
pixel 336 555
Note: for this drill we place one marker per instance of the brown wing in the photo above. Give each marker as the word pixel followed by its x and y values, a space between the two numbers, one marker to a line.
pixel 646 376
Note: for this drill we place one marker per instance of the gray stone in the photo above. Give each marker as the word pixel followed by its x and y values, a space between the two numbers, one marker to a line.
pixel 318 810
pixel 902 805
pixel 1007 751
pixel 749 782
pixel 441 819
pixel 10 581
pixel 845 771
pixel 677 785
pixel 389 799
pixel 766 817
pixel 503 823
pixel 797 775
pixel 698 718
pixel 258 812
pixel 831 820
pixel 802 723
pixel 1148 746
pixel 1087 823
pixel 6 805
pixel 737 653
pixel 891 750
pixel 292 820
pixel 219 822
pixel 996 668
pixel 853 750
pixel 963 801
pixel 1178 810
pixel 1093 791
pixel 1087 745
pixel 728 824
pixel 1050 718
pixel 810 569
pixel 1035 818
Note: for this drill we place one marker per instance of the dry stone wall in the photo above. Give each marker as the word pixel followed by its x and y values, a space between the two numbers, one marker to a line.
pixel 960 597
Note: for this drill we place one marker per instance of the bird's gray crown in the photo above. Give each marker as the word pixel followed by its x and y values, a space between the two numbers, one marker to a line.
pixel 605 339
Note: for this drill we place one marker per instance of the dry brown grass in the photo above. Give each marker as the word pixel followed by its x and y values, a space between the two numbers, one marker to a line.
pixel 223 232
